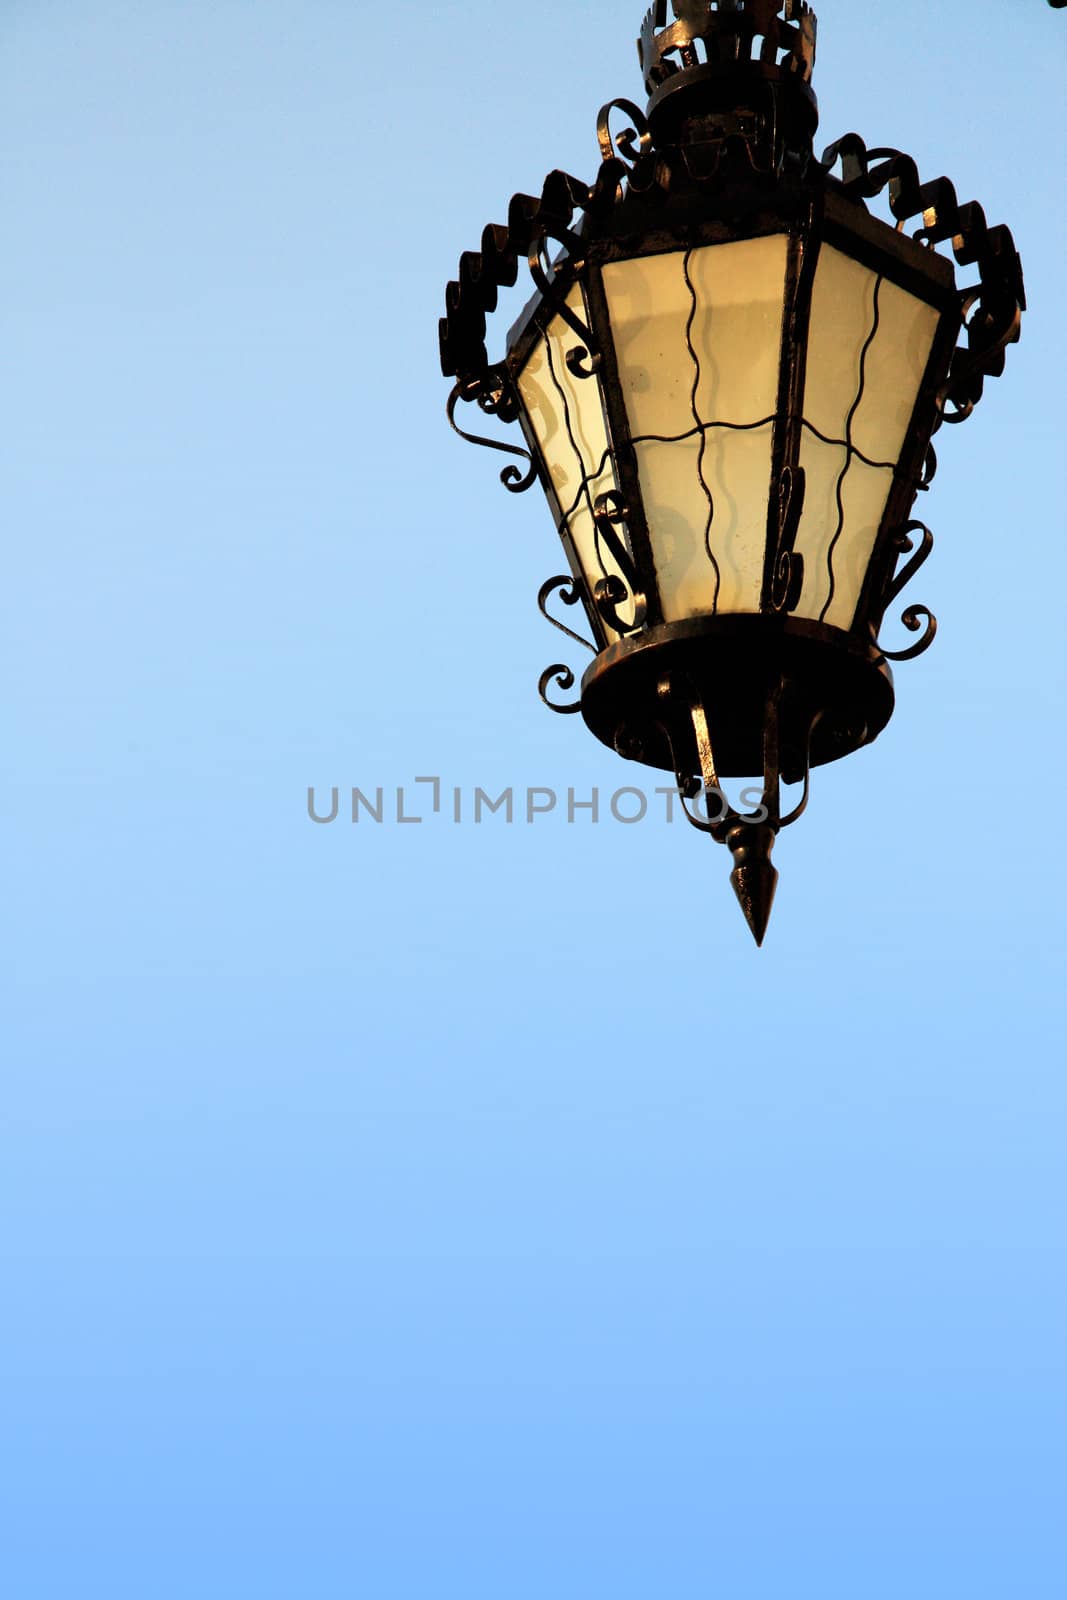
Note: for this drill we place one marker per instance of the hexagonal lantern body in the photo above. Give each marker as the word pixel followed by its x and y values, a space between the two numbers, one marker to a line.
pixel 728 379
pixel 730 420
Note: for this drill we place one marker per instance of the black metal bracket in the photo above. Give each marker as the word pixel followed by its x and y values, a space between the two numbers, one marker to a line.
pixel 749 836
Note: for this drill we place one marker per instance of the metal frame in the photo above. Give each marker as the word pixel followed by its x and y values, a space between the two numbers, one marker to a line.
pixel 723 153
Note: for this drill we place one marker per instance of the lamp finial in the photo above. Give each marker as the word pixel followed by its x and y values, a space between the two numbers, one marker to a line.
pixel 754 877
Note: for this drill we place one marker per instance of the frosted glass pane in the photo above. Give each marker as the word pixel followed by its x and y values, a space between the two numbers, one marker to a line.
pixel 837 544
pixel 705 498
pixel 868 347
pixel 568 421
pixel 708 520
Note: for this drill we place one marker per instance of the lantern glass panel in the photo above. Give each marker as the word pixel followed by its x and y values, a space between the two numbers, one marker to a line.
pixel 567 419
pixel 697 338
pixel 869 343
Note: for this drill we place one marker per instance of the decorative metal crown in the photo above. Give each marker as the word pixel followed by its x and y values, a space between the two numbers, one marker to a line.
pixel 779 33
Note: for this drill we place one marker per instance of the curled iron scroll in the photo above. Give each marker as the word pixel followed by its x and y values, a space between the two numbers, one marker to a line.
pixel 787 577
pixel 563 676
pixel 787 580
pixel 903 543
pixel 569 594
pixel 612 591
pixel 584 361
pixel 511 477
pixel 912 617
pixel 621 145
pixel 957 407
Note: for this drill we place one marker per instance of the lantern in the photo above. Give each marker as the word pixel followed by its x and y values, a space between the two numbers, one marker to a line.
pixel 728 379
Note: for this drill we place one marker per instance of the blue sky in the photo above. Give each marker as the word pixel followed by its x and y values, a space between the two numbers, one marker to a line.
pixel 432 1211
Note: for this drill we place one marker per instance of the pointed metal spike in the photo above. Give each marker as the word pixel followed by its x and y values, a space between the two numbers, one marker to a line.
pixel 754 888
pixel 754 877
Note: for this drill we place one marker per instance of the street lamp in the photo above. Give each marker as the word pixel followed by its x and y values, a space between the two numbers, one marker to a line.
pixel 728 378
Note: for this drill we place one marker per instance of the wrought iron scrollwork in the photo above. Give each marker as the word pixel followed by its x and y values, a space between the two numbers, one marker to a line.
pixel 991 310
pixel 561 675
pixel 913 616
pixel 903 543
pixel 787 580
pixel 623 143
pixel 609 513
pixel 482 273
pixel 558 672
pixel 787 577
pixel 633 146
pixel 583 361
pixel 569 594
pixel 511 477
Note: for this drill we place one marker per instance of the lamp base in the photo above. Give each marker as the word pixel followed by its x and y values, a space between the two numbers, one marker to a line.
pixel 833 680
